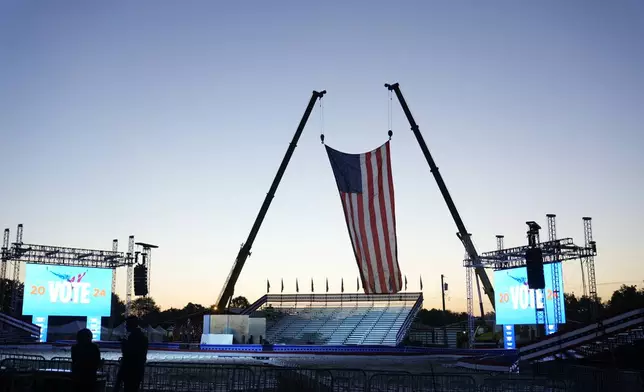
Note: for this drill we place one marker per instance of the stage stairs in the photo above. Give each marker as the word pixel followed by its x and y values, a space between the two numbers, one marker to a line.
pixel 610 343
pixel 14 331
pixel 588 340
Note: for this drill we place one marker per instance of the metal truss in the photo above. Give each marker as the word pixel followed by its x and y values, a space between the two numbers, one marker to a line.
pixel 115 248
pixel 15 294
pixel 19 252
pixel 556 289
pixel 499 242
pixel 470 302
pixel 5 254
pixel 590 265
pixel 553 251
pixel 73 257
pixel 129 281
pixel 146 257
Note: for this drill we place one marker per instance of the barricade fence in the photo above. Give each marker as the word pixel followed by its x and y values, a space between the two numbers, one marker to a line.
pixel 591 378
pixel 22 373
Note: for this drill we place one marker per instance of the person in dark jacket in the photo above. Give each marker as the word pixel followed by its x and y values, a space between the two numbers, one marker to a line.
pixel 134 351
pixel 86 359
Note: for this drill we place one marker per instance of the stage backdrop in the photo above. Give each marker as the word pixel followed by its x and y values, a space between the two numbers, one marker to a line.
pixel 55 290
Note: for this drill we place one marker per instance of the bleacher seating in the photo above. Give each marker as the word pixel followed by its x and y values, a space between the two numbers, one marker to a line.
pixel 338 319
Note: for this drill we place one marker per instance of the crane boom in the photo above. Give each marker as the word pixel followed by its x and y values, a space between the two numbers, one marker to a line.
pixel 227 291
pixel 464 236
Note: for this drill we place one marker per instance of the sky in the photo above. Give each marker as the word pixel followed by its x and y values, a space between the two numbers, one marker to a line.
pixel 168 120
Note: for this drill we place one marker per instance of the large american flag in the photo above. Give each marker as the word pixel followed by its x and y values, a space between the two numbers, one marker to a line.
pixel 367 193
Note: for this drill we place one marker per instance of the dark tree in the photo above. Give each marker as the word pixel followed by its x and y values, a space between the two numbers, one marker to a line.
pixel 146 309
pixel 7 286
pixel 239 302
pixel 118 309
pixel 625 299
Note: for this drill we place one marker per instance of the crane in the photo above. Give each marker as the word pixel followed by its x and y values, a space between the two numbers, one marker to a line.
pixel 226 293
pixel 463 235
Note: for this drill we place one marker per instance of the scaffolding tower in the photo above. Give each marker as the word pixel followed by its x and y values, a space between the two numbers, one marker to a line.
pixel 20 252
pixel 589 261
pixel 470 300
pixel 541 316
pixel 554 250
pixel 556 289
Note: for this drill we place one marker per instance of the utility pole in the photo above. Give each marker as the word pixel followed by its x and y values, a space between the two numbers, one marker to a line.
pixel 444 313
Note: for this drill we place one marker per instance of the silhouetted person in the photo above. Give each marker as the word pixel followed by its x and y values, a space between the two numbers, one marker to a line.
pixel 134 350
pixel 86 359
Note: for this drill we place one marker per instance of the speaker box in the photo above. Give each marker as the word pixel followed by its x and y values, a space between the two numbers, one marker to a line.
pixel 534 266
pixel 140 280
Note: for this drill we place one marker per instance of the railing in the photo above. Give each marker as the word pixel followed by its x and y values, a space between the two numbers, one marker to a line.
pixel 588 378
pixel 404 328
pixel 24 374
pixel 610 343
pixel 568 340
pixel 255 305
pixel 24 326
pixel 344 297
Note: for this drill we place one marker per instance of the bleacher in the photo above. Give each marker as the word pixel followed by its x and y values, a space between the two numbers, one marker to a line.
pixel 337 319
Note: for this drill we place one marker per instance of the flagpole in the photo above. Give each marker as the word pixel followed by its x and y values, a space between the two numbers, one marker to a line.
pixel 341 293
pixel 357 290
pixel 282 293
pixel 326 293
pixel 297 292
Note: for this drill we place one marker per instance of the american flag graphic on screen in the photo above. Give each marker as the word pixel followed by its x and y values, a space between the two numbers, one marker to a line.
pixel 367 193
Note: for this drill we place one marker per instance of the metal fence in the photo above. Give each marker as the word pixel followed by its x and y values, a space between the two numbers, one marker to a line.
pixel 589 378
pixel 22 373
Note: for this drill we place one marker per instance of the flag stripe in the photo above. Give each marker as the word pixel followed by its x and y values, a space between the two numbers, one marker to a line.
pixel 358 249
pixel 375 221
pixel 384 227
pixel 365 184
pixel 364 245
pixel 391 217
pixel 367 227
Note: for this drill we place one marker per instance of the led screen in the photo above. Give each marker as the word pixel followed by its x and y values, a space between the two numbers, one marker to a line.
pixel 53 290
pixel 515 303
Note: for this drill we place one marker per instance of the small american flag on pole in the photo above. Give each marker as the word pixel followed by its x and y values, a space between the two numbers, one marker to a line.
pixel 366 189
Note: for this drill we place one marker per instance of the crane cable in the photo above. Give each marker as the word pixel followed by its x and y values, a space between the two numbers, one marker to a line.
pixel 390 114
pixel 321 119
